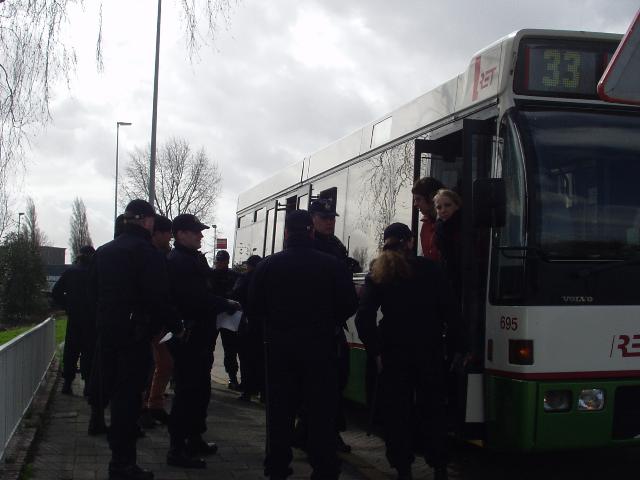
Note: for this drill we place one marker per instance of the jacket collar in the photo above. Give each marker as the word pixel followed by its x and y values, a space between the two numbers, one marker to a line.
pixel 137 231
pixel 299 241
pixel 181 248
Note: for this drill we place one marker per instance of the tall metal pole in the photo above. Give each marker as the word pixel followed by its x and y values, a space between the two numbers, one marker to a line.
pixel 154 118
pixel 215 241
pixel 115 200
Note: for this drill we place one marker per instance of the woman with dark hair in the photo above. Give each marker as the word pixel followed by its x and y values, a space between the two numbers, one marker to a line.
pixel 448 237
pixel 416 302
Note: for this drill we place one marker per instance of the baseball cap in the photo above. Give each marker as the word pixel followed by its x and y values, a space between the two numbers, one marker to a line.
pixel 222 255
pixel 324 207
pixel 162 224
pixel 397 230
pixel 186 221
pixel 138 208
pixel 298 221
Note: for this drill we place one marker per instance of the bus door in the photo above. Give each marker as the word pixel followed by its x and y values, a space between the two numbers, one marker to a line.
pixel 457 160
pixel 478 141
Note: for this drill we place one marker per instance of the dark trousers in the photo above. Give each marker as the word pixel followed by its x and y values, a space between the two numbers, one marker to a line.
pixel 301 367
pixel 79 343
pixel 192 362
pixel 124 371
pixel 412 389
pixel 230 345
pixel 251 355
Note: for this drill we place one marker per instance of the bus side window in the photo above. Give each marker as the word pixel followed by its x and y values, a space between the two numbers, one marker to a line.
pixel 507 278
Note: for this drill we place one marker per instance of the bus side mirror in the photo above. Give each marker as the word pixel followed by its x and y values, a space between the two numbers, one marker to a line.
pixel 489 202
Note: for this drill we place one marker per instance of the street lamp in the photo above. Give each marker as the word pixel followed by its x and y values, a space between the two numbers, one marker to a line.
pixel 215 241
pixel 115 201
pixel 154 115
pixel 20 214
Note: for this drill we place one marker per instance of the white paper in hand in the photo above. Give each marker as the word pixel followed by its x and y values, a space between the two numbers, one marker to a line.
pixel 230 322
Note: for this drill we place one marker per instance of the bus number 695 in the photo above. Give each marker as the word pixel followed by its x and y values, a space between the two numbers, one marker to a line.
pixel 508 323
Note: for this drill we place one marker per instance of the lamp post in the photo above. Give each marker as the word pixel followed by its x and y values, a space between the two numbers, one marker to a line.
pixel 154 115
pixel 215 241
pixel 115 200
pixel 20 214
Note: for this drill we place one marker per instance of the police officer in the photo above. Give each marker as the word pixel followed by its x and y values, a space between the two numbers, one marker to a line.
pixel 302 295
pixel 324 215
pixel 417 304
pixel 193 355
pixel 131 288
pixel 70 292
pixel 223 281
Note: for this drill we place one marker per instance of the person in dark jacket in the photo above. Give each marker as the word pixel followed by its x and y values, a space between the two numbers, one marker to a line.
pixel 223 279
pixel 70 292
pixel 302 296
pixel 251 351
pixel 423 192
pixel 323 213
pixel 193 355
pixel 153 410
pixel 417 307
pixel 449 236
pixel 131 288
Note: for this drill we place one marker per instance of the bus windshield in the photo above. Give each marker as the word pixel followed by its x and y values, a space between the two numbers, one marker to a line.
pixel 586 179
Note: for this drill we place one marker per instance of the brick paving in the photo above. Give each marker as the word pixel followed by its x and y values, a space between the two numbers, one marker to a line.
pixel 65 451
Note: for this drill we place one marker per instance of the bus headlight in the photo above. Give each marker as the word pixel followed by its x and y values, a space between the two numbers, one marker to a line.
pixel 591 399
pixel 557 400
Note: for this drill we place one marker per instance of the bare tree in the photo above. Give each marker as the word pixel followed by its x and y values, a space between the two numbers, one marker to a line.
pixel 30 229
pixel 79 224
pixel 186 181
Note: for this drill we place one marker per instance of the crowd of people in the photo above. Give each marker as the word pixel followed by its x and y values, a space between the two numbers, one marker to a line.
pixel 142 314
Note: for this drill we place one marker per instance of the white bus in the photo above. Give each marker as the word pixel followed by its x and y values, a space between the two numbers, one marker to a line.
pixel 551 227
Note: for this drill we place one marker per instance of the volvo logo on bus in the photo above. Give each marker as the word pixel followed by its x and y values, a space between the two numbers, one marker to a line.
pixel 577 299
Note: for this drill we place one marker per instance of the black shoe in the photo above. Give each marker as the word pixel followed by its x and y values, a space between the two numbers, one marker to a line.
pixel 197 446
pixel 234 385
pixel 245 397
pixel 129 472
pixel 140 433
pixel 440 473
pixel 179 458
pixel 341 446
pixel 159 415
pixel 146 420
pixel 66 388
pixel 97 425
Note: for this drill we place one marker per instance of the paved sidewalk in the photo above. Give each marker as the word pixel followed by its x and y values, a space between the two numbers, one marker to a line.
pixel 65 451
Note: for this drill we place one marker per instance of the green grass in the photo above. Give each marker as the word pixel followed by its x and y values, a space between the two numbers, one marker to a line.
pixel 61 328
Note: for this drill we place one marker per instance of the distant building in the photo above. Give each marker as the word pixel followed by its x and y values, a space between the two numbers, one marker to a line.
pixel 54 266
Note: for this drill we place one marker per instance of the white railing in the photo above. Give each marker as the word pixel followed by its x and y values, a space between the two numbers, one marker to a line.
pixel 24 361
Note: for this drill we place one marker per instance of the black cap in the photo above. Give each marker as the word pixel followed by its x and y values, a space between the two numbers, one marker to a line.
pixel 139 208
pixel 87 250
pixel 324 207
pixel 298 221
pixel 397 230
pixel 162 224
pixel 186 221
pixel 253 260
pixel 222 255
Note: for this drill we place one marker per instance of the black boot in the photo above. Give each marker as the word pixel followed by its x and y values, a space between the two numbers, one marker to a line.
pixel 233 383
pixel 341 446
pixel 178 457
pixel 405 473
pixel 66 387
pixel 96 422
pixel 146 420
pixel 129 472
pixel 196 446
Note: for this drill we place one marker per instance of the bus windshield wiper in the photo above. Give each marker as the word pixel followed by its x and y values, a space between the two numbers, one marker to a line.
pixel 585 272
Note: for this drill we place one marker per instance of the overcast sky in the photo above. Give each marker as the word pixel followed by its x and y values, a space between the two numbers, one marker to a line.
pixel 282 80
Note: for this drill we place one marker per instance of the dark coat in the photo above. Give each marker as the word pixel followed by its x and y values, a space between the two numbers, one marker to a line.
pixel 71 292
pixel 330 244
pixel 223 281
pixel 417 311
pixel 302 290
pixel 190 277
pixel 130 285
pixel 449 242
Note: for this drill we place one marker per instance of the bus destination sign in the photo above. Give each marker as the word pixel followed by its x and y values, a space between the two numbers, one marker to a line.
pixel 561 68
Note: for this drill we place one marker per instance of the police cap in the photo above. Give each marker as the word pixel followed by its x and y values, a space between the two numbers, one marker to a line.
pixel 324 207
pixel 186 221
pixel 138 208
